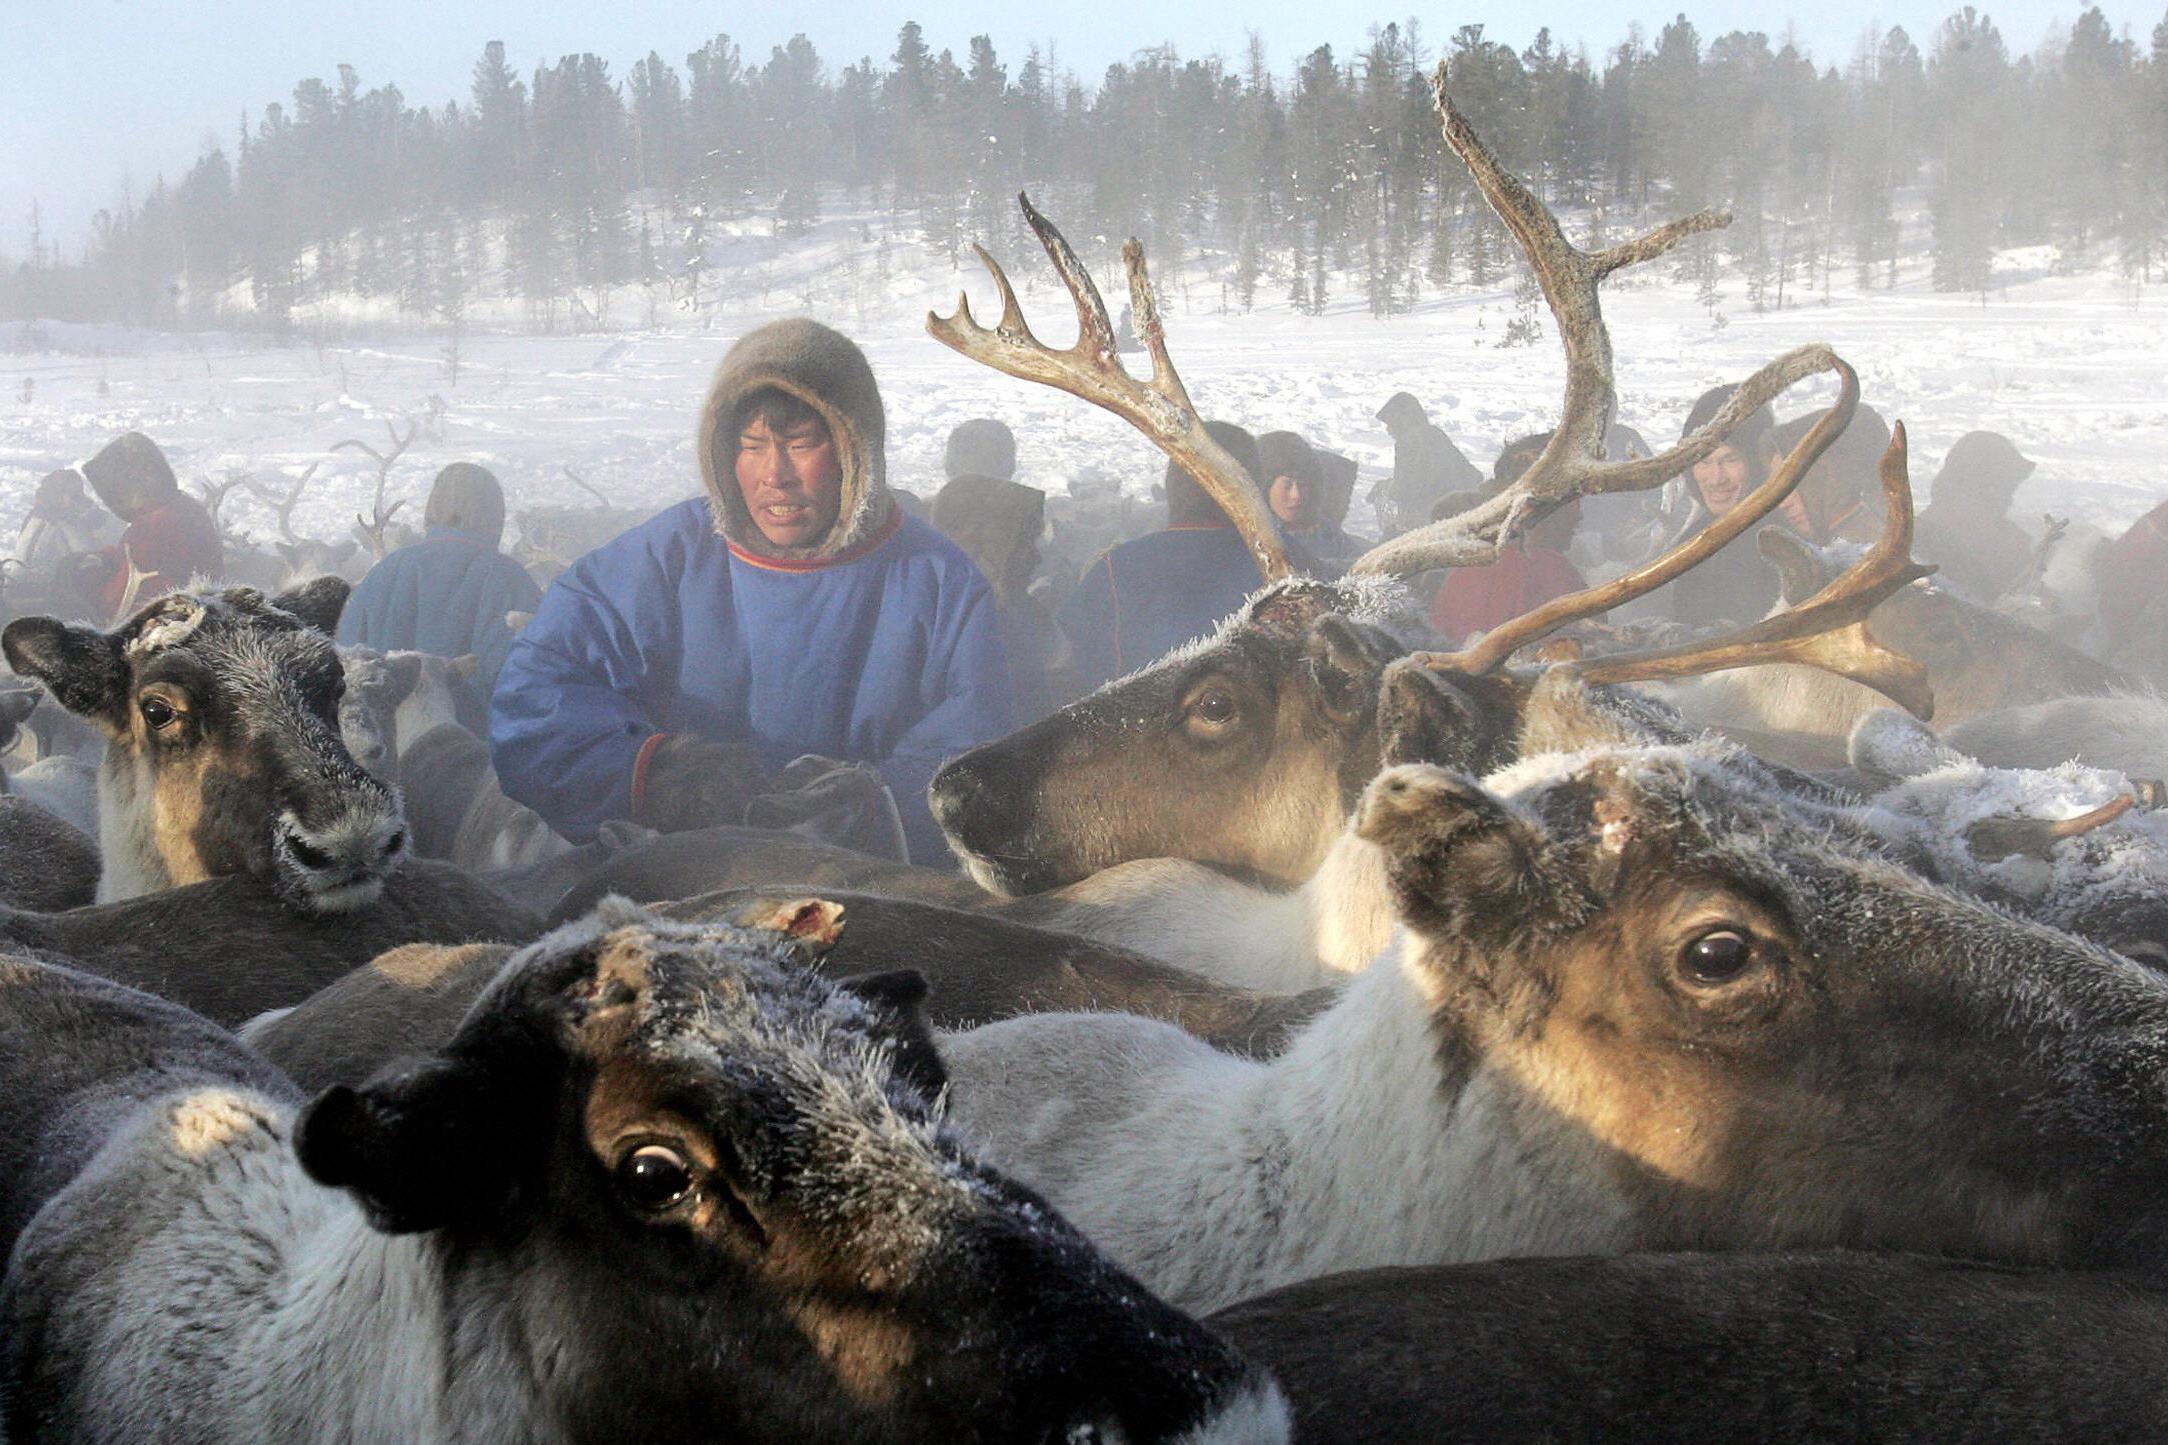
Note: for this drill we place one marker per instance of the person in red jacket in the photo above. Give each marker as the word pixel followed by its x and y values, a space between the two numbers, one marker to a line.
pixel 2131 572
pixel 1477 599
pixel 170 537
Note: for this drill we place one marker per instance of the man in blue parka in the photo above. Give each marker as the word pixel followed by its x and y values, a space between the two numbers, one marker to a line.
pixel 793 610
pixel 1144 598
pixel 448 593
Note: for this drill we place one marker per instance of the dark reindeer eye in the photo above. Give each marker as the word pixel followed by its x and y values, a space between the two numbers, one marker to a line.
pixel 654 1177
pixel 157 712
pixel 1213 709
pixel 1718 956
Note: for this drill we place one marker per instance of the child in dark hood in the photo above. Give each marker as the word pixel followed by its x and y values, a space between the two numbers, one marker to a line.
pixel 793 610
pixel 1966 528
pixel 448 593
pixel 1296 491
pixel 170 537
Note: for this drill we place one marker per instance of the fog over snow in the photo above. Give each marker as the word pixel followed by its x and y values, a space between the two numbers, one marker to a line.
pixel 2074 368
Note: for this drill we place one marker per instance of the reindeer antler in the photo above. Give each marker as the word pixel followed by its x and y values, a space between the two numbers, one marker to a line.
pixel 586 486
pixel 373 531
pixel 213 494
pixel 1092 369
pixel 1828 630
pixel 283 507
pixel 1993 839
pixel 1572 464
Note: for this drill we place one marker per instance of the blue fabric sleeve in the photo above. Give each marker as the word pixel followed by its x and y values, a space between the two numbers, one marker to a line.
pixel 569 714
pixel 973 702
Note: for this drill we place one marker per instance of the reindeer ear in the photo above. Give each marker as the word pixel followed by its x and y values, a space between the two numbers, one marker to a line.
pixel 1455 856
pixel 1345 660
pixel 317 602
pixel 80 666
pixel 446 1143
pixel 1425 716
pixel 1800 570
pixel 899 997
pixel 1889 746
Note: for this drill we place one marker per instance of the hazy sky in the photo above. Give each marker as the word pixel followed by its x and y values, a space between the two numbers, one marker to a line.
pixel 98 92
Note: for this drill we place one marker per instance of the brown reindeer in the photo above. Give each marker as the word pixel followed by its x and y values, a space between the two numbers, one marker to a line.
pixel 220 715
pixel 231 948
pixel 979 968
pixel 1248 748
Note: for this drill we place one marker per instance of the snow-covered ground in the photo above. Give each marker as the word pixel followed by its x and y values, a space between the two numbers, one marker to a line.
pixel 2073 368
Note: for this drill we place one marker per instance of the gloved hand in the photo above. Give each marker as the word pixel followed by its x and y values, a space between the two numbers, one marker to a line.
pixel 694 783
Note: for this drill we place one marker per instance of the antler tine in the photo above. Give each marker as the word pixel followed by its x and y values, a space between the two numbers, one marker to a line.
pixel 1094 330
pixel 1091 369
pixel 1993 839
pixel 1144 310
pixel 1829 630
pixel 1501 642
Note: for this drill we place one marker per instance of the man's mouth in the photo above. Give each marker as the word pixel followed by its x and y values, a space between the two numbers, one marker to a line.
pixel 786 512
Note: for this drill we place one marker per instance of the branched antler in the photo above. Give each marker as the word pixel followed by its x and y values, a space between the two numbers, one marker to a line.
pixel 1572 464
pixel 372 529
pixel 282 507
pixel 1092 369
pixel 213 494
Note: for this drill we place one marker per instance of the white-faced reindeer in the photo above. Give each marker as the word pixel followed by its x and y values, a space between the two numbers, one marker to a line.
pixel 1645 999
pixel 1249 748
pixel 219 710
pixel 663 1184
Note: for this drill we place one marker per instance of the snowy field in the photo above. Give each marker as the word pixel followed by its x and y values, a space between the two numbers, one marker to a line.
pixel 2073 368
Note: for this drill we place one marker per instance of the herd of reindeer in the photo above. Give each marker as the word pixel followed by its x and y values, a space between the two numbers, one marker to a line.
pixel 1327 1039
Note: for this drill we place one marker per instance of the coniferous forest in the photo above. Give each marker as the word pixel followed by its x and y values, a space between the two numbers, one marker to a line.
pixel 558 187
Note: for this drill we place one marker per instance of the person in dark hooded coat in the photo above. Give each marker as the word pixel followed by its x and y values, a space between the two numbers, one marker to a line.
pixel 170 537
pixel 997 521
pixel 792 610
pixel 448 593
pixel 1426 466
pixel 1736 585
pixel 1295 488
pixel 1144 598
pixel 1966 528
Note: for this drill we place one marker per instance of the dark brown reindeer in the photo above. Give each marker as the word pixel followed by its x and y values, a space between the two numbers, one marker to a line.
pixel 223 755
pixel 1249 748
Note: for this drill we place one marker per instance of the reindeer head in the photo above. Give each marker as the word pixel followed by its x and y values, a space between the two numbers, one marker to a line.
pixel 1247 749
pixel 223 755
pixel 1763 1033
pixel 376 683
pixel 720 1195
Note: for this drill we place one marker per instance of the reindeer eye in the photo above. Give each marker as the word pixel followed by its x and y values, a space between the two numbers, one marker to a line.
pixel 1718 956
pixel 157 712
pixel 1213 709
pixel 654 1177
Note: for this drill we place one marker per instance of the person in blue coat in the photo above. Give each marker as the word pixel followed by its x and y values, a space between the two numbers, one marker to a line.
pixel 1144 598
pixel 792 610
pixel 448 593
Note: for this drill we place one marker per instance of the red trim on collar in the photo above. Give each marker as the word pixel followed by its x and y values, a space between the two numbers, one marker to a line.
pixel 815 564
pixel 640 763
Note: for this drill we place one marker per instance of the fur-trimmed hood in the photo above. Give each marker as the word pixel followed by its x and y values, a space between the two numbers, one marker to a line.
pixel 826 370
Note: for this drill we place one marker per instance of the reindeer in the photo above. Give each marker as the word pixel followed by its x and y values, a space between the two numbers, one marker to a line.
pixel 1977 659
pixel 979 968
pixel 1644 1000
pixel 662 1184
pixel 377 687
pixel 2124 733
pixel 233 947
pixel 1824 1345
pixel 374 530
pixel 1249 749
pixel 222 748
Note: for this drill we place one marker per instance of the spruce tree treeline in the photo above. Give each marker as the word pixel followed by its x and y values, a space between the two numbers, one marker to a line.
pixel 563 186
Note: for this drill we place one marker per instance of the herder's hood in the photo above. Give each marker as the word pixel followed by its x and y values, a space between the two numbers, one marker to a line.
pixel 827 371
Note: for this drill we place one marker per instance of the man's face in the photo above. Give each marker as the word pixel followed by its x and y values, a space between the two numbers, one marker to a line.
pixel 792 483
pixel 1721 477
pixel 1293 501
